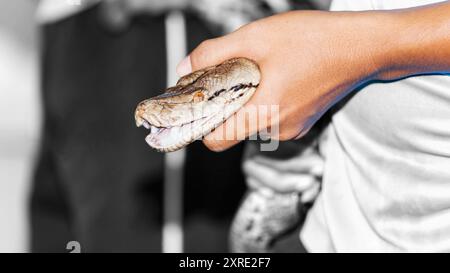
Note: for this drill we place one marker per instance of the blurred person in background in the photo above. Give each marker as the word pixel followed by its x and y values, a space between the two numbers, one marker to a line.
pixel 96 182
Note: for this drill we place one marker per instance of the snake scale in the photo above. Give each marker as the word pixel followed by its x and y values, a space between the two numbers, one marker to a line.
pixel 196 105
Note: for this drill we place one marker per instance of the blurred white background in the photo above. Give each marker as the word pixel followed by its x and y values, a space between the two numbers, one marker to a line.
pixel 19 117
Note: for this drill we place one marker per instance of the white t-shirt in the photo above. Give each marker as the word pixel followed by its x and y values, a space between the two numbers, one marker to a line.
pixel 386 185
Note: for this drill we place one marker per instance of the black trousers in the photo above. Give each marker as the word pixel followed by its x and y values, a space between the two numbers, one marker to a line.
pixel 96 181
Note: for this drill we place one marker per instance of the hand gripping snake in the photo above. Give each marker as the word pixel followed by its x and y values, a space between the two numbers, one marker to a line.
pixel 196 105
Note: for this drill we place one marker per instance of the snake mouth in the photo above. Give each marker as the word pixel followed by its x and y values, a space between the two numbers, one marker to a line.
pixel 169 139
pixel 172 138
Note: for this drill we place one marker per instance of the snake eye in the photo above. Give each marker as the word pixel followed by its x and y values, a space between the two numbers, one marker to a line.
pixel 198 96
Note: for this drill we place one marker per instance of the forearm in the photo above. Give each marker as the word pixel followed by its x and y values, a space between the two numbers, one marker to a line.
pixel 417 41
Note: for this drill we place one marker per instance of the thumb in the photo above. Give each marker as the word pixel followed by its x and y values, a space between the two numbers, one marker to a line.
pixel 209 52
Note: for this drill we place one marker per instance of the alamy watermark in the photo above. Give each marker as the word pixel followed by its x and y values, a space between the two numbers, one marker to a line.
pixel 252 122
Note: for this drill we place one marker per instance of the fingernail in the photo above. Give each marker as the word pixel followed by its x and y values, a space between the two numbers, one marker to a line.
pixel 184 67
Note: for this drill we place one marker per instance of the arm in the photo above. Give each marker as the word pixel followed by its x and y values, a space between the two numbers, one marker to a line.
pixel 420 43
pixel 311 59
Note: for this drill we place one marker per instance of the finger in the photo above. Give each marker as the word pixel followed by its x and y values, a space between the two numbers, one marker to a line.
pixel 212 52
pixel 209 52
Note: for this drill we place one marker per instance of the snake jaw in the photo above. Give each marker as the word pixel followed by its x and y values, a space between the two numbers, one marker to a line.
pixel 170 139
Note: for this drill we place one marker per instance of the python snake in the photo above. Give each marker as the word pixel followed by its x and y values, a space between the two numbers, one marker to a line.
pixel 196 105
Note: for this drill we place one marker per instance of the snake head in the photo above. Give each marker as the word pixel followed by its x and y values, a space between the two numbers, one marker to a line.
pixel 199 103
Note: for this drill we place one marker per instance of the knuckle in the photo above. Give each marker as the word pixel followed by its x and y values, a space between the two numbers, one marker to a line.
pixel 253 28
pixel 203 46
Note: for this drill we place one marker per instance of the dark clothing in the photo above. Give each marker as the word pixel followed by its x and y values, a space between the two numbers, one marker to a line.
pixel 97 181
